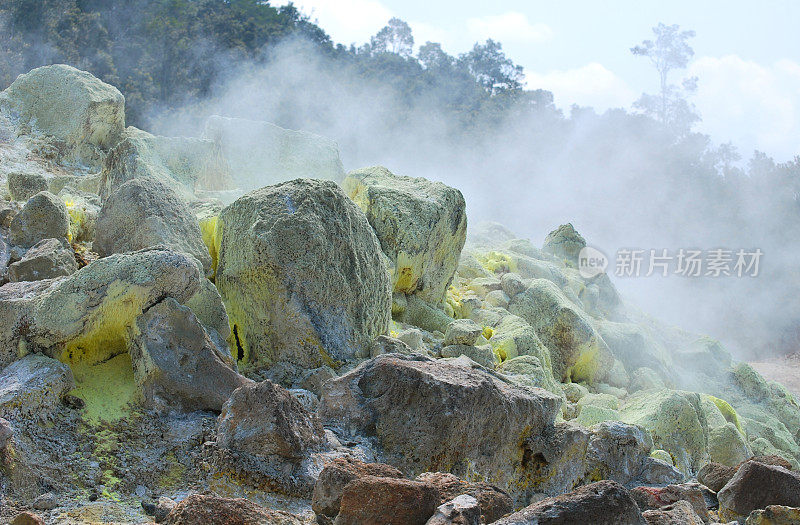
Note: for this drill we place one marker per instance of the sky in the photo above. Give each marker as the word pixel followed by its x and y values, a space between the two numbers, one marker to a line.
pixel 747 54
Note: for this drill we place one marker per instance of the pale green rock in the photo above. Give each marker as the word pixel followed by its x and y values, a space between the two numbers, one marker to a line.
pixel 726 445
pixel 663 455
pixel 514 337
pixel 564 242
pixel 644 378
pixel 592 415
pixel 482 355
pixel 599 400
pixel 574 391
pixel 44 216
pixel 528 370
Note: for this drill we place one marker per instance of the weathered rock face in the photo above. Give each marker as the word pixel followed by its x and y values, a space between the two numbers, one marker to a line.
pixel 44 216
pixel 269 432
pixel 755 486
pixel 261 153
pixel 33 386
pixel 46 259
pixel 387 501
pixel 564 242
pixel 420 224
pixel 601 503
pixel 23 186
pixel 176 364
pixel 654 498
pixel 461 510
pixel 716 475
pixel 200 509
pixel 327 496
pixel 446 415
pixel 774 515
pixel 492 502
pixel 73 107
pixel 181 163
pixel 577 351
pixel 678 513
pixel 301 274
pixel 143 213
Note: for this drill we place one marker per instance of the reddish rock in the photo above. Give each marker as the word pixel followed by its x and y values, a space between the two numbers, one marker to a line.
pixel 716 475
pixel 755 486
pixel 27 518
pixel 336 475
pixel 679 513
pixel 387 501
pixel 654 498
pixel 494 502
pixel 211 510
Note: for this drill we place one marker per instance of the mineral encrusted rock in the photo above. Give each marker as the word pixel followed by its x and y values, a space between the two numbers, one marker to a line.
pixel 46 259
pixel 33 386
pixel 44 216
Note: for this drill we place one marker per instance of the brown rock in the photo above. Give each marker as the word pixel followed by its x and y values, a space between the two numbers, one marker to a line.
pixel 755 486
pixel 654 498
pixel 774 515
pixel 602 503
pixel 387 501
pixel 200 509
pixel 715 475
pixel 678 513
pixel 494 503
pixel 336 475
pixel 27 518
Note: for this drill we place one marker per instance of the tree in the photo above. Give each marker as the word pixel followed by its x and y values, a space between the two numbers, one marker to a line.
pixel 669 51
pixel 395 37
pixel 492 69
pixel 432 56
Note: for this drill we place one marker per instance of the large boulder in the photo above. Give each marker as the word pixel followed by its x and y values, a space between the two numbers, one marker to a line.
pixel 327 496
pixel 492 502
pixel 44 216
pixel 33 386
pixel 774 515
pixel 578 352
pixel 372 500
pixel 565 243
pixel 449 415
pixel 22 186
pixel 184 164
pixel 46 259
pixel 755 486
pixel 461 510
pixel 269 433
pixel 601 503
pixel 261 153
pixel 143 213
pixel 678 513
pixel 204 509
pixel 654 498
pixel 420 224
pixel 176 364
pixel 70 106
pixel 302 276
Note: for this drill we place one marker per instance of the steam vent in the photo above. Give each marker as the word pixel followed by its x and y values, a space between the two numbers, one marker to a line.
pixel 234 330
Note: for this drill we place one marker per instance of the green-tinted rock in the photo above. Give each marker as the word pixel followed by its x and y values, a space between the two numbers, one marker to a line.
pixel 564 242
pixel 726 445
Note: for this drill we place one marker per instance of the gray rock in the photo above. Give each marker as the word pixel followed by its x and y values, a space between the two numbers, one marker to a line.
pixel 176 364
pixel 46 259
pixel 23 186
pixel 6 434
pixel 512 284
pixel 47 501
pixel 755 486
pixel 388 345
pixel 564 242
pixel 301 275
pixel 143 213
pixel 430 415
pixel 33 386
pixel 44 216
pixel 482 355
pixel 420 224
pixel 461 510
pixel 327 496
pixel 462 332
pixel 617 451
pixel 678 513
pixel 654 498
pixel 497 298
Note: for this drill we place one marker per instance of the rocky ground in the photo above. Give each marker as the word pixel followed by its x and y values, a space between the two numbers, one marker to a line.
pixel 231 329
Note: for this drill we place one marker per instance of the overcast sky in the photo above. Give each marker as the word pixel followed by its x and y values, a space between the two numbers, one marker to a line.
pixel 747 53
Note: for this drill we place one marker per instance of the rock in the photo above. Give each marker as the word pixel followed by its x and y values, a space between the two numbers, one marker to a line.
pixel 659 472
pixel 653 498
pixel 180 163
pixel 644 378
pixel 565 243
pixel 261 153
pixel 617 451
pixel 27 518
pixel 389 345
pixel 160 509
pixel 528 370
pixel 512 284
pixel 6 434
pixel 715 475
pixel 301 274
pixel 755 486
pixel 33 386
pixel 143 213
pixel 201 509
pixel 8 210
pixel 482 355
pixel 461 510
pixel 207 305
pixel 480 425
pixel 372 500
pixel 497 298
pixel 420 224
pixel 462 332
pixel 556 460
pixel 413 338
pixel 46 259
pixel 44 216
pixel 636 348
pixel 269 433
pixel 678 513
pixel 493 503
pixel 774 515
pixel 514 337
pixel 676 421
pixel 70 106
pixel 46 501
pixel 176 364
pixel 83 209
pixel 484 285
pixel 327 496
pixel 726 445
pixel 601 503
pixel 578 353
pixel 23 186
